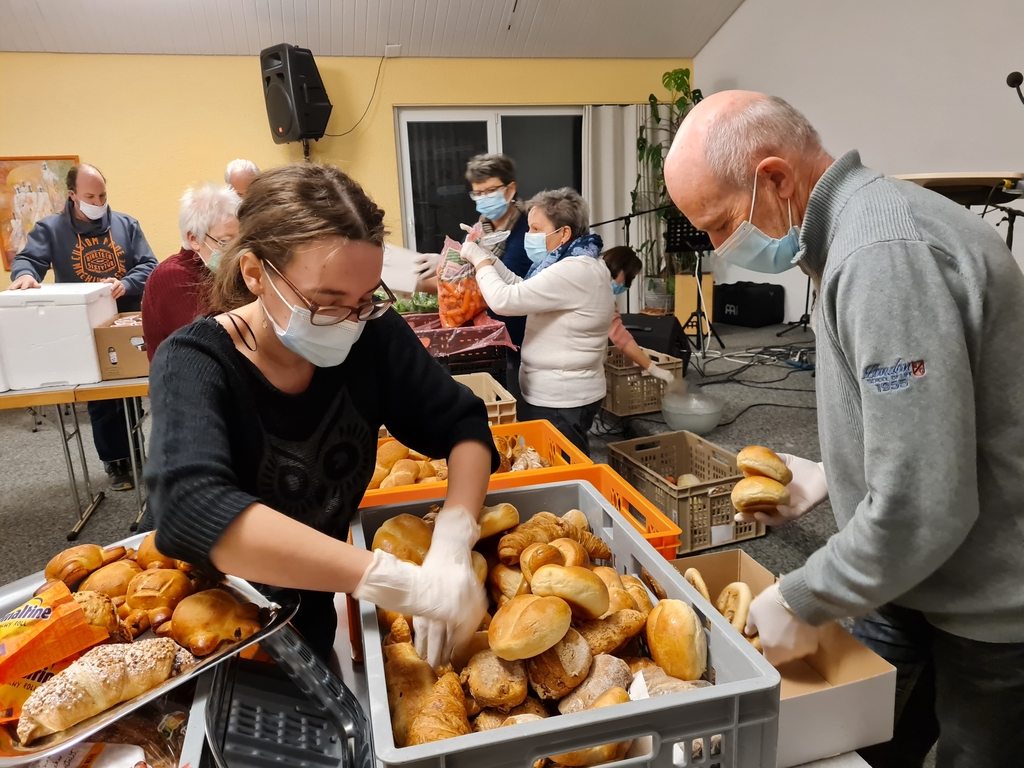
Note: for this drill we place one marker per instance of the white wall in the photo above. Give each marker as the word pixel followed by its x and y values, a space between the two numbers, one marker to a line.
pixel 918 86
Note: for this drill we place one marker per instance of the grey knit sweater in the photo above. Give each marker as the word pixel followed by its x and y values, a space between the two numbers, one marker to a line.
pixel 920 385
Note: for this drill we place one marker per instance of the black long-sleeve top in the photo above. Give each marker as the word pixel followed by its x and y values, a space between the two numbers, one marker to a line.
pixel 224 437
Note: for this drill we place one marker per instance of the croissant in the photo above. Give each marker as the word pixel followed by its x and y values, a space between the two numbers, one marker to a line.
pixel 409 680
pixel 545 528
pixel 443 715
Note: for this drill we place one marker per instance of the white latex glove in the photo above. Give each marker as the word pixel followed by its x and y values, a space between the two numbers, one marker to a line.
pixel 425 265
pixel 784 637
pixel 660 373
pixel 807 490
pixel 476 255
pixel 443 595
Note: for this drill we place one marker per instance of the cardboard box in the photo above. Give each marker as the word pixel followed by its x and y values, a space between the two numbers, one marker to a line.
pixel 840 699
pixel 121 349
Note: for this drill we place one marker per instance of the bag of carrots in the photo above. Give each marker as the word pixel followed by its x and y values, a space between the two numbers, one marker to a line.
pixel 459 299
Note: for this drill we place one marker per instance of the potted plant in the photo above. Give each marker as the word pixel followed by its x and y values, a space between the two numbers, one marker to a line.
pixel 654 138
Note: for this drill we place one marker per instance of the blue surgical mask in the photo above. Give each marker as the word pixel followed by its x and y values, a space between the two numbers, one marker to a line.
pixel 750 248
pixel 493 206
pixel 325 346
pixel 618 288
pixel 536 245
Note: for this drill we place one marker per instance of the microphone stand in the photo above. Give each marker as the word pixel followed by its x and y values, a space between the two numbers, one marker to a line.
pixel 805 318
pixel 626 221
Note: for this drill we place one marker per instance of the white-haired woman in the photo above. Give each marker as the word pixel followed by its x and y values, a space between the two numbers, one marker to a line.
pixel 568 305
pixel 176 292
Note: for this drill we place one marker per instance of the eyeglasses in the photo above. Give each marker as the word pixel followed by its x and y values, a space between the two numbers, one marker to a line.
pixel 220 244
pixel 474 196
pixel 383 299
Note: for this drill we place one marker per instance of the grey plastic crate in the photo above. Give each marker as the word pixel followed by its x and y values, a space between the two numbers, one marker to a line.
pixel 742 707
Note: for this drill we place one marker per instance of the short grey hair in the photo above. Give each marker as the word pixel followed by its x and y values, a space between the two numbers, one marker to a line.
pixel 240 166
pixel 565 208
pixel 494 166
pixel 204 207
pixel 739 139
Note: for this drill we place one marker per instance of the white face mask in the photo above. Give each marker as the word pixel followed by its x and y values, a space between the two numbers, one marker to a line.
pixel 325 346
pixel 91 211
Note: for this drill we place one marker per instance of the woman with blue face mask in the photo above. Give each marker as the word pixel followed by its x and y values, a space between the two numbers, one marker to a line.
pixel 567 302
pixel 265 418
pixel 624 266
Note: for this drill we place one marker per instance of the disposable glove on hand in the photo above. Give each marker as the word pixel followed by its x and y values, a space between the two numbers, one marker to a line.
pixel 784 637
pixel 807 490
pixel 425 265
pixel 661 373
pixel 476 255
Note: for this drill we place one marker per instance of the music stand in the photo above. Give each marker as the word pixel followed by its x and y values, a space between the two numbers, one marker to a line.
pixel 805 318
pixel 681 236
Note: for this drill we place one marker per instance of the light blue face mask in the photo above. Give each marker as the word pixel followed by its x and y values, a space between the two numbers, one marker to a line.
pixel 618 288
pixel 493 206
pixel 752 249
pixel 536 245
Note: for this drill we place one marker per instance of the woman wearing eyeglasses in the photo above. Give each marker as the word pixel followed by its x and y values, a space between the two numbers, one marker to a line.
pixel 176 292
pixel 265 418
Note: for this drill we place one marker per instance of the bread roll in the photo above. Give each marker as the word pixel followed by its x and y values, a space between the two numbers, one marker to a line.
pixel 405 536
pixel 100 612
pixel 572 552
pixel 585 593
pixel 652 583
pixel 554 673
pixel 463 653
pixel 496 519
pixel 156 593
pixel 380 474
pixel 577 518
pixel 391 452
pixel 734 604
pixel 608 575
pixel 490 719
pixel 538 555
pixel 426 471
pixel 603 753
pixel 399 479
pixel 639 593
pixel 505 581
pixel 693 576
pixel 637 663
pixel 619 600
pixel 112 580
pixel 611 634
pixel 759 494
pixel 518 719
pixel 479 566
pixel 494 682
pixel 756 460
pixel 149 556
pixel 605 672
pixel 545 528
pixel 528 625
pixel 676 638
pixel 661 684
pixel 205 620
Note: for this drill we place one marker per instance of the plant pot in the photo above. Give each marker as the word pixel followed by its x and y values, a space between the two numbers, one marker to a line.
pixel 656 295
pixel 686 299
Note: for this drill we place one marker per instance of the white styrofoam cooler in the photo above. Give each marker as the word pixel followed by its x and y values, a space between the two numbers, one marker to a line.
pixel 3 380
pixel 46 334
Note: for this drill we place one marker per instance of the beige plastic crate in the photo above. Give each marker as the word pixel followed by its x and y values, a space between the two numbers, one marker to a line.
pixel 501 406
pixel 703 511
pixel 631 390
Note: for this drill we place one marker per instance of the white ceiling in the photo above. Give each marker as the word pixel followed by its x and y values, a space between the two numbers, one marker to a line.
pixel 478 28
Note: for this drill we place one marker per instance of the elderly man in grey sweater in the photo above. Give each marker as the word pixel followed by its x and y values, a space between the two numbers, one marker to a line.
pixel 920 383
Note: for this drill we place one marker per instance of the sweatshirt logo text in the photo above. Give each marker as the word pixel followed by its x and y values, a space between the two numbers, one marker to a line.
pixel 895 377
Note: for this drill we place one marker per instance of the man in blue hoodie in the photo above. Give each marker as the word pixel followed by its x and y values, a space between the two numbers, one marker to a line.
pixel 89 243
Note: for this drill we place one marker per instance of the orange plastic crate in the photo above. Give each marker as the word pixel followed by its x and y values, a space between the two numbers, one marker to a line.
pixel 542 435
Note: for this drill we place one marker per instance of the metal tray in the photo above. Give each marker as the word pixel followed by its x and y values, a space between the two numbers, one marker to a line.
pixel 13 595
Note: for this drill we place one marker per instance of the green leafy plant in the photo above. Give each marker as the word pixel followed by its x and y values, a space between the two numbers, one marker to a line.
pixel 654 138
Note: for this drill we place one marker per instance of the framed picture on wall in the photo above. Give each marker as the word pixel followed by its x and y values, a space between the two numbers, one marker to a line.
pixel 30 188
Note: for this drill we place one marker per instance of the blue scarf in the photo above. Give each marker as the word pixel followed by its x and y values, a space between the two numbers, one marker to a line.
pixel 586 245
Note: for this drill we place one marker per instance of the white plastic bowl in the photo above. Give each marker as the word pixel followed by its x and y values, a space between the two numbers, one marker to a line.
pixel 692 410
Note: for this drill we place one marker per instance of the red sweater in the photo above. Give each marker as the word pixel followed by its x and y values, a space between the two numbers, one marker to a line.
pixel 175 295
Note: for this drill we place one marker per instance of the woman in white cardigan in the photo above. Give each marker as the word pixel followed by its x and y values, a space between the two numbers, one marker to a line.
pixel 567 300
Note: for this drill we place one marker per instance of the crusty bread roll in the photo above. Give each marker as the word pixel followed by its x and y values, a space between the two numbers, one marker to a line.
pixel 505 581
pixel 201 622
pixel 693 576
pixel 495 683
pixel 149 556
pixel 380 474
pixel 676 639
pixel 605 672
pixel 100 612
pixel 112 580
pixel 461 654
pixel 584 591
pixel 528 625
pixel 405 536
pixel 554 673
pixel 757 460
pixel 759 494
pixel 577 518
pixel 538 555
pixel 639 593
pixel 497 519
pixel 610 635
pixel 603 753
pixel 155 593
pixel 608 575
pixel 489 719
pixel 479 566
pixel 391 452
pixel 734 604
pixel 397 479
pixel 572 552
pixel 517 719
pixel 620 600
pixel 637 663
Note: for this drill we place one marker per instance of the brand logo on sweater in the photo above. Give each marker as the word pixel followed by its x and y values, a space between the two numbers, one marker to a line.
pixel 895 377
pixel 95 258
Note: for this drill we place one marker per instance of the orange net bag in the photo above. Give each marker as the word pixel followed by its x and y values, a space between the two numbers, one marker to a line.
pixel 459 299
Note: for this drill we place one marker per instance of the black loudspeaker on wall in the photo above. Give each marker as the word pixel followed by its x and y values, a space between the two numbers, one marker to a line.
pixel 297 103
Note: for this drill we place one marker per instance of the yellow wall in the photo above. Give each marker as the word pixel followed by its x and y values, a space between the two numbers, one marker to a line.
pixel 155 124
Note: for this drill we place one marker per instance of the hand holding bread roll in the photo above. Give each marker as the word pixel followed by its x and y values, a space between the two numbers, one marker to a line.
pixel 757 461
pixel 759 494
pixel 405 536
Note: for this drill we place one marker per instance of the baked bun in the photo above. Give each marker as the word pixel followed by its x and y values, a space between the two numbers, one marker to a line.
pixel 152 597
pixel 112 580
pixel 497 519
pixel 149 556
pixel 560 668
pixel 538 555
pixel 100 612
pixel 506 581
pixel 577 518
pixel 734 604
pixel 494 682
pixel 756 460
pixel 390 453
pixel 676 638
pixel 609 576
pixel 759 494
pixel 201 622
pixel 572 551
pixel 581 588
pixel 405 536
pixel 528 625
pixel 479 566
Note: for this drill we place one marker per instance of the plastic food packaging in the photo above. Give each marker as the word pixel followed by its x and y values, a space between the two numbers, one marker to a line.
pixel 42 631
pixel 459 299
pixel 90 755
